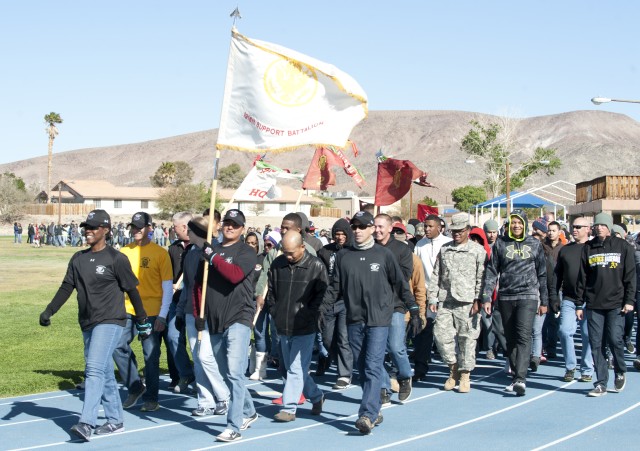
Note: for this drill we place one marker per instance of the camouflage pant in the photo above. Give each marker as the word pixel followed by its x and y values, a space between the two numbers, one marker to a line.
pixel 453 321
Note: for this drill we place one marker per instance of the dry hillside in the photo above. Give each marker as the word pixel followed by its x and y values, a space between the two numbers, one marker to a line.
pixel 591 143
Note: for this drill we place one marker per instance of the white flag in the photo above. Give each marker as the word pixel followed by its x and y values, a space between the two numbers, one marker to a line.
pixel 260 182
pixel 278 99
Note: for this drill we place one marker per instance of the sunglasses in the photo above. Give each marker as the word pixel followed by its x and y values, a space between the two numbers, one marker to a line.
pixel 579 226
pixel 359 227
pixel 398 232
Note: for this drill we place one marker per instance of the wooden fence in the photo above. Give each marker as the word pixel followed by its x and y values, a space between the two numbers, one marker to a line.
pixel 621 187
pixel 54 209
pixel 326 211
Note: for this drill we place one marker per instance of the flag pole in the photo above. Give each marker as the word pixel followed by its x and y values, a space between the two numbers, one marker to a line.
pixel 410 200
pixel 212 203
pixel 212 207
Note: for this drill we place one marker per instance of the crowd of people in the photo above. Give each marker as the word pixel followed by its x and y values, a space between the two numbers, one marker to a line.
pixel 378 297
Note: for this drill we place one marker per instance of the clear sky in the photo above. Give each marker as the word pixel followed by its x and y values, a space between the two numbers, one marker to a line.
pixel 128 71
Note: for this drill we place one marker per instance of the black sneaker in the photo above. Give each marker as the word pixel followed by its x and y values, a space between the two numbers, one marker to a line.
pixel 316 408
pixel 630 348
pixel 364 425
pixel 109 428
pixel 534 364
pixel 620 382
pixel 385 397
pixel 636 363
pixel 405 389
pixel 228 436
pixel 418 377
pixel 569 376
pixel 82 430
pixel 222 407
pixel 599 390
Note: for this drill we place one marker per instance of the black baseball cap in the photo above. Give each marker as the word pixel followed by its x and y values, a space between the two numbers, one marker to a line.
pixel 362 218
pixel 140 220
pixel 97 218
pixel 234 215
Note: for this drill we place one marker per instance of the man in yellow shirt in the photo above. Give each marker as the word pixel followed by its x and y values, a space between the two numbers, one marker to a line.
pixel 152 266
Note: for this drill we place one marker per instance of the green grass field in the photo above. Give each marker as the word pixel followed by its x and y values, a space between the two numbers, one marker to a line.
pixel 36 359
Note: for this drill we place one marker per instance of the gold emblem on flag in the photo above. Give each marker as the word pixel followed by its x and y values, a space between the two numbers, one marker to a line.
pixel 322 162
pixel 397 178
pixel 290 83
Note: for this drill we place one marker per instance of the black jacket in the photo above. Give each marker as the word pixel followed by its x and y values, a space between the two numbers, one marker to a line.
pixel 295 294
pixel 520 266
pixel 404 257
pixel 367 280
pixel 607 277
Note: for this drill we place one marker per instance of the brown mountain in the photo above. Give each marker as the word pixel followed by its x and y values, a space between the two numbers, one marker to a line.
pixel 590 143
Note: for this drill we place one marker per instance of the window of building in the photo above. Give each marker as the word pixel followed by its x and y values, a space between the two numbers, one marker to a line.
pixel 144 204
pixel 117 203
pixel 98 203
pixel 283 207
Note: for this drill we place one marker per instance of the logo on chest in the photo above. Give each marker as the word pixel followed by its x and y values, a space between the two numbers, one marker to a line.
pixel 100 269
pixel 375 267
pixel 144 262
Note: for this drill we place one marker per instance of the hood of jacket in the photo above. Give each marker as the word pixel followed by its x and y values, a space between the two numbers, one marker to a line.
pixel 342 225
pixel 482 238
pixel 260 241
pixel 523 217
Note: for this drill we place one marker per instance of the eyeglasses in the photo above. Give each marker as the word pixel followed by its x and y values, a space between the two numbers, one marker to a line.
pixel 359 227
pixel 579 226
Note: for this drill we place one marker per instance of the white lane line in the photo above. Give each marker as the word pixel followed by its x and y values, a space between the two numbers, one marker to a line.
pixel 588 428
pixel 323 423
pixel 473 420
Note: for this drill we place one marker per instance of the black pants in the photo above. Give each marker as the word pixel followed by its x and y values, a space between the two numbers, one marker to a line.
pixel 422 345
pixel 606 327
pixel 517 320
pixel 336 338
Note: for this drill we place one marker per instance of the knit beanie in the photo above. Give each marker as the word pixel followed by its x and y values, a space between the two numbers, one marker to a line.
pixel 491 226
pixel 540 224
pixel 604 219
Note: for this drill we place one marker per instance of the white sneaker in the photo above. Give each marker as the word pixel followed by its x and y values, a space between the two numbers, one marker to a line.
pixel 228 436
pixel 509 388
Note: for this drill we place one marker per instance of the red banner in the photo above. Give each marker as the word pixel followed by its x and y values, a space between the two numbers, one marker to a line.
pixel 426 210
pixel 320 176
pixel 394 180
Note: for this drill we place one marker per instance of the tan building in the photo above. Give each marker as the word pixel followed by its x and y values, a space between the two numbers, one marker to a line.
pixel 617 195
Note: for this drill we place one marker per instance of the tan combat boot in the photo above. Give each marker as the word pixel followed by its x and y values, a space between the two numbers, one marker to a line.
pixel 465 382
pixel 453 377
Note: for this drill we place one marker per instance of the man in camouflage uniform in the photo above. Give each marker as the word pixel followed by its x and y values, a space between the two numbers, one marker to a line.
pixel 454 293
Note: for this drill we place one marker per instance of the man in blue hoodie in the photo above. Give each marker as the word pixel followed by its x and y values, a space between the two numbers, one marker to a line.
pixel 518 263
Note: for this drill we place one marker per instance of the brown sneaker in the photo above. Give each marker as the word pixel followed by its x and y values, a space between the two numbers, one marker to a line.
pixel 284 417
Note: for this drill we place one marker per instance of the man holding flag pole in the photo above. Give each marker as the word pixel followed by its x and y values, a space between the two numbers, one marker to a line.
pixel 275 99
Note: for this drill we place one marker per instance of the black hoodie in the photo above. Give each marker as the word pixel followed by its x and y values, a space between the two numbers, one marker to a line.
pixel 328 253
pixel 520 265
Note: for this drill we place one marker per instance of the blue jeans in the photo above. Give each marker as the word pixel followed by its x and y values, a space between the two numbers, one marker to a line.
pixel 397 349
pixel 296 353
pixel 261 331
pixel 126 362
pixel 568 326
pixel 209 382
pixel 100 382
pixel 230 350
pixel 536 337
pixel 606 328
pixel 368 345
pixel 177 343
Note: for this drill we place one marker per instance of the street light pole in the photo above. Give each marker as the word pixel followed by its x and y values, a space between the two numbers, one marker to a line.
pixel 601 100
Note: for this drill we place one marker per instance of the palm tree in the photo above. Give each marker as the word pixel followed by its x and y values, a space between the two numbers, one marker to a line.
pixel 52 119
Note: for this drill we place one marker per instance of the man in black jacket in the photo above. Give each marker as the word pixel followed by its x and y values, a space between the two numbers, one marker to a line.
pixel 297 282
pixel 367 276
pixel 334 330
pixel 607 284
pixel 567 270
pixel 396 345
pixel 518 263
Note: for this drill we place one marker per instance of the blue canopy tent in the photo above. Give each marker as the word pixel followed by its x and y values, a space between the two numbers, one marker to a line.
pixel 516 200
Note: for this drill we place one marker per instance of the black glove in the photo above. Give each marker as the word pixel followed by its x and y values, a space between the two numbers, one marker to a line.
pixel 201 324
pixel 555 306
pixel 144 328
pixel 180 323
pixel 45 318
pixel 415 323
pixel 208 252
